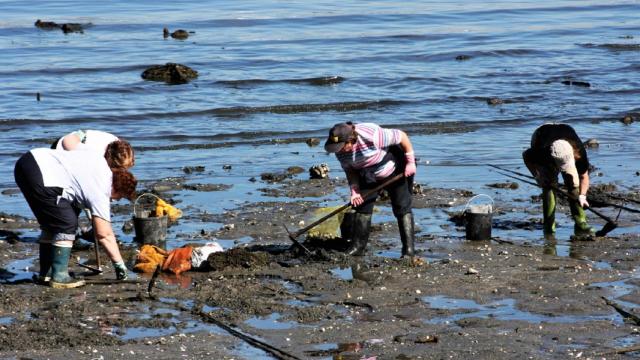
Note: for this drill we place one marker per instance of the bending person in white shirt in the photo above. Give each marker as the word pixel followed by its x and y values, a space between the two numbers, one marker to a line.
pixel 58 185
pixel 117 152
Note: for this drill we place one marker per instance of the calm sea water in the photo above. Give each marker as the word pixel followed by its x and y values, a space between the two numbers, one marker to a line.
pixel 398 61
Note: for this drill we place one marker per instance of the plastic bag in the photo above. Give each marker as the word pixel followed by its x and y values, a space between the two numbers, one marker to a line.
pixel 201 254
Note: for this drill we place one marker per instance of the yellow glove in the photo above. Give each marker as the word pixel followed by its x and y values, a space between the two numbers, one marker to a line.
pixel 163 208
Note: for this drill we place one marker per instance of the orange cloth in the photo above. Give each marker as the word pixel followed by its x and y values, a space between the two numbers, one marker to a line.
pixel 149 258
pixel 179 260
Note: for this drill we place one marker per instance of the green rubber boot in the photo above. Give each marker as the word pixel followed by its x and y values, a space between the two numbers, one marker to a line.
pixel 60 278
pixel 549 211
pixel 45 260
pixel 580 227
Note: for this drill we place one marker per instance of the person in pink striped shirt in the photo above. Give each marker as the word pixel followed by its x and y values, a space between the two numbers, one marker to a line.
pixel 370 154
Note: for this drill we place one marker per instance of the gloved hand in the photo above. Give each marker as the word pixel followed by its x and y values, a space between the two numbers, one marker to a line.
pixel 121 270
pixel 582 200
pixel 410 167
pixel 356 197
pixel 87 234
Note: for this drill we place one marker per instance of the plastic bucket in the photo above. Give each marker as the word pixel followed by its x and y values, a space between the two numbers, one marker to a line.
pixel 478 219
pixel 149 230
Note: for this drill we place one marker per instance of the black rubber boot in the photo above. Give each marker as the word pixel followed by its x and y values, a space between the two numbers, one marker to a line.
pixel 360 234
pixel 60 278
pixel 46 258
pixel 407 234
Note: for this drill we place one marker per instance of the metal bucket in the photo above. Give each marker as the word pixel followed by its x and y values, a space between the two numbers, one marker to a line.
pixel 149 229
pixel 478 219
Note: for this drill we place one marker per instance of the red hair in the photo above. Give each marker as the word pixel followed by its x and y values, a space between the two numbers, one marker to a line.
pixel 119 154
pixel 123 184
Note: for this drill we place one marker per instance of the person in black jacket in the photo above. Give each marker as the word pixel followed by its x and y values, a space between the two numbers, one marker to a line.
pixel 556 148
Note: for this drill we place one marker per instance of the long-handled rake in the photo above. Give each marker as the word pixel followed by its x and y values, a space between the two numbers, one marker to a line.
pixel 293 236
pixel 608 227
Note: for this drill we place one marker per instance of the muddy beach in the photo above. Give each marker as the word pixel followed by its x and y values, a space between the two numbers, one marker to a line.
pixel 470 299
pixel 227 110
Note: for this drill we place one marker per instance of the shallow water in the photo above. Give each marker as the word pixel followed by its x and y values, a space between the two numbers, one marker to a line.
pixel 503 309
pixel 398 61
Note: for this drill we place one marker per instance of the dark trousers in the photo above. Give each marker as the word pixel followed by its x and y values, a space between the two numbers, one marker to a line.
pixel 55 215
pixel 399 193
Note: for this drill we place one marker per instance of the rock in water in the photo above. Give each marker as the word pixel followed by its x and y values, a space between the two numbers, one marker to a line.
pixel 319 171
pixel 72 27
pixel 627 119
pixel 180 34
pixel 313 142
pixel 576 83
pixel 46 25
pixel 170 73
pixel 495 101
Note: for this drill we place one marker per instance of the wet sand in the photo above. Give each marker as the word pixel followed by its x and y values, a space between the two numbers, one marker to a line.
pixel 480 299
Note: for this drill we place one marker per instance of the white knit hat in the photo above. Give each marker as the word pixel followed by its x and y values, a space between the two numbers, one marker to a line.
pixel 562 153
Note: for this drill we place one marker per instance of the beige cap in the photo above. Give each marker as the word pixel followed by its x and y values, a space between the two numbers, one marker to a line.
pixel 562 154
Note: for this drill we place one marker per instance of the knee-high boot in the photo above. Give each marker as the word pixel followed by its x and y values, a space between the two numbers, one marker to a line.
pixel 407 234
pixel 60 278
pixel 580 227
pixel 549 211
pixel 45 260
pixel 360 234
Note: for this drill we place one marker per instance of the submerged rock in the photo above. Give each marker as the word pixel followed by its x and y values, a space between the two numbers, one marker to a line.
pixel 325 80
pixel 170 73
pixel 274 177
pixel 505 185
pixel 47 25
pixel 190 169
pixel 576 83
pixel 178 34
pixel 463 57
pixel 294 170
pixel 72 27
pixel 628 119
pixel 495 101
pixel 66 27
pixel 313 142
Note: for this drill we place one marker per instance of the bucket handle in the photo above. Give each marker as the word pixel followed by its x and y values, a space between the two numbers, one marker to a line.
pixel 135 203
pixel 475 197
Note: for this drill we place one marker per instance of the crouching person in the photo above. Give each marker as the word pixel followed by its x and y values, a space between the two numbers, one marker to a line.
pixel 556 148
pixel 57 186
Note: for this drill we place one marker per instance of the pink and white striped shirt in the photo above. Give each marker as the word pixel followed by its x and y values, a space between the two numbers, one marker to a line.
pixel 369 150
